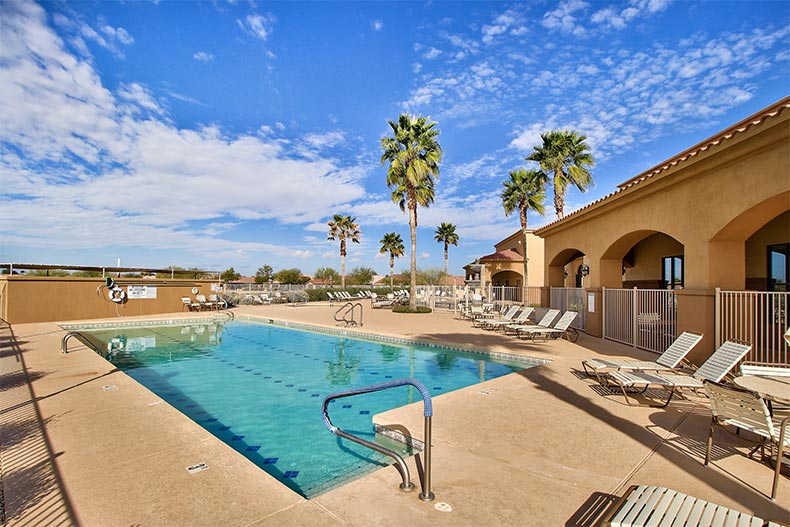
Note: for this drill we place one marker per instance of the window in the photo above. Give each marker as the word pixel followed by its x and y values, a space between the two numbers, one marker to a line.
pixel 672 272
pixel 778 266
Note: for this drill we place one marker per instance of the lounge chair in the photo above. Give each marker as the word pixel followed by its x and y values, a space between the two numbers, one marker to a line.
pixel 388 301
pixel 507 316
pixel 714 369
pixel 217 301
pixel 746 410
pixel 545 322
pixel 765 369
pixel 648 505
pixel 560 329
pixel 667 361
pixel 204 303
pixel 520 319
pixel 192 306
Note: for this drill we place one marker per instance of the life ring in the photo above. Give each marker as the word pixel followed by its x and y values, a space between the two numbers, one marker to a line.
pixel 117 295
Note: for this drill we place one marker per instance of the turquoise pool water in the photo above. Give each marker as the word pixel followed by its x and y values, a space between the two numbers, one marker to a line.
pixel 260 387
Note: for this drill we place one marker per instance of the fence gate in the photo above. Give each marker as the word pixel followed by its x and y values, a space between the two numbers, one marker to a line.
pixel 643 318
pixel 573 298
pixel 759 318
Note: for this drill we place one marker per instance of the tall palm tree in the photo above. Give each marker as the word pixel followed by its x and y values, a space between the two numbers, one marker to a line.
pixel 343 227
pixel 565 155
pixel 524 191
pixel 392 243
pixel 445 233
pixel 413 154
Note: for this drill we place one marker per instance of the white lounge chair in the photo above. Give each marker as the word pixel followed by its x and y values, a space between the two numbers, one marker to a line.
pixel 560 329
pixel 520 319
pixel 545 322
pixel 192 306
pixel 507 316
pixel 745 410
pixel 667 361
pixel 714 369
pixel 648 505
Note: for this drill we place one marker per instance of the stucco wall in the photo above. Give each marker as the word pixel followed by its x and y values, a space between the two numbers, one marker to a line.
pixel 647 257
pixel 47 299
pixel 776 231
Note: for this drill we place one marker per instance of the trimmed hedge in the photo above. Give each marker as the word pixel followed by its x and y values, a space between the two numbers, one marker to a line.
pixel 406 309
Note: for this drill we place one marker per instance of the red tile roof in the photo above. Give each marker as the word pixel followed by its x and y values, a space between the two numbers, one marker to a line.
pixel 742 126
pixel 507 254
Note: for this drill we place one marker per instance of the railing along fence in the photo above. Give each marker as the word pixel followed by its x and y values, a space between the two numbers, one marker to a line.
pixel 573 299
pixel 757 317
pixel 643 318
pixel 514 295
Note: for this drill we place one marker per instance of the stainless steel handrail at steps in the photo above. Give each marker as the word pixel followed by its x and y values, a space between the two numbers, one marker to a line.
pixel 406 485
pixel 64 340
pixel 348 309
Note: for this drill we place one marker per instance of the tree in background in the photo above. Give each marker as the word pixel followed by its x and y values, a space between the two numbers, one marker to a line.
pixel 342 227
pixel 361 275
pixel 431 276
pixel 524 191
pixel 326 273
pixel 229 275
pixel 392 243
pixel 566 156
pixel 291 276
pixel 413 153
pixel 264 274
pixel 445 233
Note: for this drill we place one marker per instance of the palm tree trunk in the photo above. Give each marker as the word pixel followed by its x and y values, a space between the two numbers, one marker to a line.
pixel 343 264
pixel 523 212
pixel 446 272
pixel 392 270
pixel 558 195
pixel 413 278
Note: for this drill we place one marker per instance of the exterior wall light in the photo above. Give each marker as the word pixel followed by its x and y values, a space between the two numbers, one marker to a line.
pixel 584 269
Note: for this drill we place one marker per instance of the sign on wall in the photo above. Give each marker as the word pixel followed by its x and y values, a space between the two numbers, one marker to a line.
pixel 141 292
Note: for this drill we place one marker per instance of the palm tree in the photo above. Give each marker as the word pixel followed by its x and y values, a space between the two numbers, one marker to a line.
pixel 445 233
pixel 565 155
pixel 524 191
pixel 392 243
pixel 343 227
pixel 413 154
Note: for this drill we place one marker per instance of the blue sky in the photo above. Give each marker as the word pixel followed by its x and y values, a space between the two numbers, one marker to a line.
pixel 218 134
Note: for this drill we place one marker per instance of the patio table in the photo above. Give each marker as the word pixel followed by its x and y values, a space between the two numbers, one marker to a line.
pixel 772 388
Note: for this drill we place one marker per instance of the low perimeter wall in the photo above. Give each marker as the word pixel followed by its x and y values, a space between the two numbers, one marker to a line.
pixel 25 299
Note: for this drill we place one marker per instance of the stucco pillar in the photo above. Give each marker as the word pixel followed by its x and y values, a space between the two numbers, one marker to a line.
pixel 593 323
pixel 608 274
pixel 727 265
pixel 696 311
pixel 545 296
pixel 555 276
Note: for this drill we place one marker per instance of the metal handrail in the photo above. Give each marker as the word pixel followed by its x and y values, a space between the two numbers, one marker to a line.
pixel 406 484
pixel 349 308
pixel 64 340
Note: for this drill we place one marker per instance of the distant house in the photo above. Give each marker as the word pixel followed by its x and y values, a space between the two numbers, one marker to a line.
pixel 505 267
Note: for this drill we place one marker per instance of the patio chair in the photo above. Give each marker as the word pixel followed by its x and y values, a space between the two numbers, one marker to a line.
pixel 560 329
pixel 667 361
pixel 508 316
pixel 648 505
pixel 192 306
pixel 765 369
pixel 746 410
pixel 714 369
pixel 520 319
pixel 545 322
pixel 204 303
pixel 217 302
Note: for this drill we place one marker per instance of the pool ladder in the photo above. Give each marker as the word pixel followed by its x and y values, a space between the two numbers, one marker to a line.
pixel 346 312
pixel 406 484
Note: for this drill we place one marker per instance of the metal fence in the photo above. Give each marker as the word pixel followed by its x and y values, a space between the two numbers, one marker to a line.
pixel 643 318
pixel 514 295
pixel 759 318
pixel 571 298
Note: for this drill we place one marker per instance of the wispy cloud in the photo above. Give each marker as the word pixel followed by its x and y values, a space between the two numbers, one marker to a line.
pixel 258 25
pixel 203 56
pixel 376 25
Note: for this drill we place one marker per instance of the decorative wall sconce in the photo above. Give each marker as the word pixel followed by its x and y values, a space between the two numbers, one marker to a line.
pixel 564 272
pixel 584 269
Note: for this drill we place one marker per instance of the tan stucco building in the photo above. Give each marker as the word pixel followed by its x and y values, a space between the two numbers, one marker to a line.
pixel 716 215
pixel 505 266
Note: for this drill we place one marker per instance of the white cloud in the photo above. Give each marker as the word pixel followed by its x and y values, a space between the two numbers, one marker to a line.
pixel 431 54
pixel 203 56
pixel 93 163
pixel 424 256
pixel 376 25
pixel 564 17
pixel 259 26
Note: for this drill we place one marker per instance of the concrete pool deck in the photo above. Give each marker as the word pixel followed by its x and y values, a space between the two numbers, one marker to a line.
pixel 544 446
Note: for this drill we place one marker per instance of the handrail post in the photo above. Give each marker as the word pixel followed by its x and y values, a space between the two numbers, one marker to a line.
pixel 426 494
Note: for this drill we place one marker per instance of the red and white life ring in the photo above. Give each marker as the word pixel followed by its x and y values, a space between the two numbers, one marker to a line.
pixel 117 295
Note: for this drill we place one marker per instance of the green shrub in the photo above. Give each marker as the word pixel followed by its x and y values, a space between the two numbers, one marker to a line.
pixel 406 309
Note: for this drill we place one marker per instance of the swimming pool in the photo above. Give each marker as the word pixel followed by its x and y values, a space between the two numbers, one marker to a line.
pixel 259 388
